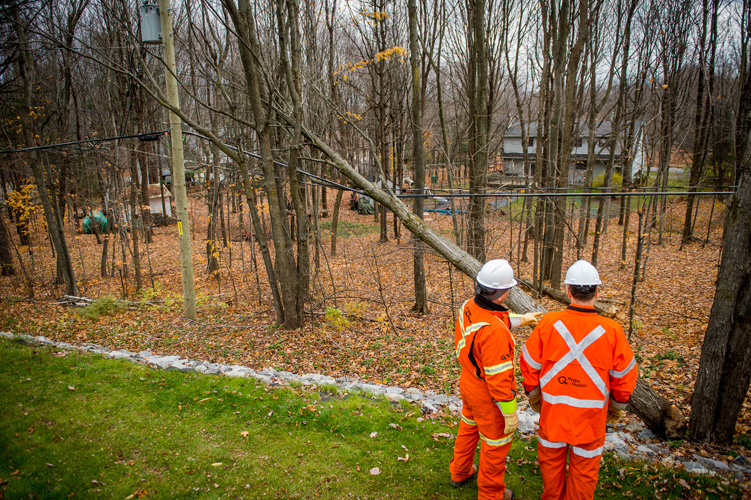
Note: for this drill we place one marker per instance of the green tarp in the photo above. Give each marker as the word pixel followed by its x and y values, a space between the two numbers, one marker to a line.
pixel 99 218
pixel 364 206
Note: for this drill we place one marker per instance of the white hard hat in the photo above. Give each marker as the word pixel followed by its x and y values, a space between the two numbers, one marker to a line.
pixel 582 273
pixel 496 274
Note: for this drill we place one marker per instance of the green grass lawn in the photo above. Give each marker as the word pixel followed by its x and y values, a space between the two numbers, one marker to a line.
pixel 82 426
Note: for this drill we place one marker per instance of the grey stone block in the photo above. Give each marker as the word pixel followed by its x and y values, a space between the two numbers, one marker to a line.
pixel 711 464
pixel 394 397
pixel 625 455
pixel 307 379
pixel 614 442
pixel 660 450
pixel 646 434
pixel 414 391
pixel 374 389
pixel 634 426
pixel 526 424
pixel 440 399
pixel 645 450
pixel 262 378
pixel 427 407
pixel 626 437
pixel 180 366
pixel 697 468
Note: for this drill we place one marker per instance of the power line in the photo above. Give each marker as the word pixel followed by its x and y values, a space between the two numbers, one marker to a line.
pixel 512 194
pixel 145 137
pixel 564 195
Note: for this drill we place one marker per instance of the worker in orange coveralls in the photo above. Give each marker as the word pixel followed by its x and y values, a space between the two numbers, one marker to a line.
pixel 485 348
pixel 579 372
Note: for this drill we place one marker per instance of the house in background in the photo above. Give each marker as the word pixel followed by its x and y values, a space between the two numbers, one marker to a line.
pixel 512 155
pixel 155 200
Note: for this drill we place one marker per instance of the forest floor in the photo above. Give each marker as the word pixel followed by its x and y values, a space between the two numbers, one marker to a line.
pixel 359 321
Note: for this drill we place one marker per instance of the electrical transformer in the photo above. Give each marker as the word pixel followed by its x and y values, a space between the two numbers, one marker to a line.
pixel 151 27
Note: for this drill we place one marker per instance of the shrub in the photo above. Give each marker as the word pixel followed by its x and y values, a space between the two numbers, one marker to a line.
pixel 354 309
pixel 336 318
pixel 104 305
pixel 599 181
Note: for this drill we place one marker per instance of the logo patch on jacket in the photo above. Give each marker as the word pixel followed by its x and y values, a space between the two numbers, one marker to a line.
pixel 572 381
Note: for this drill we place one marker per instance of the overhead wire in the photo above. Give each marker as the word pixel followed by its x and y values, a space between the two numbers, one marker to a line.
pixel 86 141
pixel 518 193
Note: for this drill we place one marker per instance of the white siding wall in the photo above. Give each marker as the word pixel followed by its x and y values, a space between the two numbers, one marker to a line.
pixel 514 145
pixel 156 205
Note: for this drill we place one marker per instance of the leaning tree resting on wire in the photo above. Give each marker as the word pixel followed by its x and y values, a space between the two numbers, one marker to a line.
pixel 656 412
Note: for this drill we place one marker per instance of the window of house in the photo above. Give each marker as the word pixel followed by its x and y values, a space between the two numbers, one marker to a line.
pixel 578 143
pixel 531 142
pixel 581 165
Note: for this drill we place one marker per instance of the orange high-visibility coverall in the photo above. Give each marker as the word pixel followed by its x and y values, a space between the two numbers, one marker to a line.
pixel 579 360
pixel 482 335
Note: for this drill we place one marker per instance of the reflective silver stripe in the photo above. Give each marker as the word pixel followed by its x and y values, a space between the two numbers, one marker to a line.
pixel 474 328
pixel 623 372
pixel 550 444
pixel 587 453
pixel 574 449
pixel 468 421
pixel 498 442
pixel 576 403
pixel 465 331
pixel 528 358
pixel 461 317
pixel 459 346
pixel 495 370
pixel 576 352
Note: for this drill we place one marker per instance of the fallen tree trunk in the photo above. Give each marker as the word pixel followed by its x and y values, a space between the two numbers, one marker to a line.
pixel 603 309
pixel 656 412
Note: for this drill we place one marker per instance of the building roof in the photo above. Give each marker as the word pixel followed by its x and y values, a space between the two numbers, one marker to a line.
pixel 154 191
pixel 604 129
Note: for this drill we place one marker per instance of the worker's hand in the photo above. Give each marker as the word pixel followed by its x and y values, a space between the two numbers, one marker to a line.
pixel 531 319
pixel 615 411
pixel 535 399
pixel 511 423
pixel 508 410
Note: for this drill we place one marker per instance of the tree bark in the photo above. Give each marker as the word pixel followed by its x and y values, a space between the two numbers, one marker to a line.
pixel 6 259
pixel 656 412
pixel 418 148
pixel 724 370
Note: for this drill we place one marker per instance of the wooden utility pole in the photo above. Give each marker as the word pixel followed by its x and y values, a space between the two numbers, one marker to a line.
pixel 178 166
